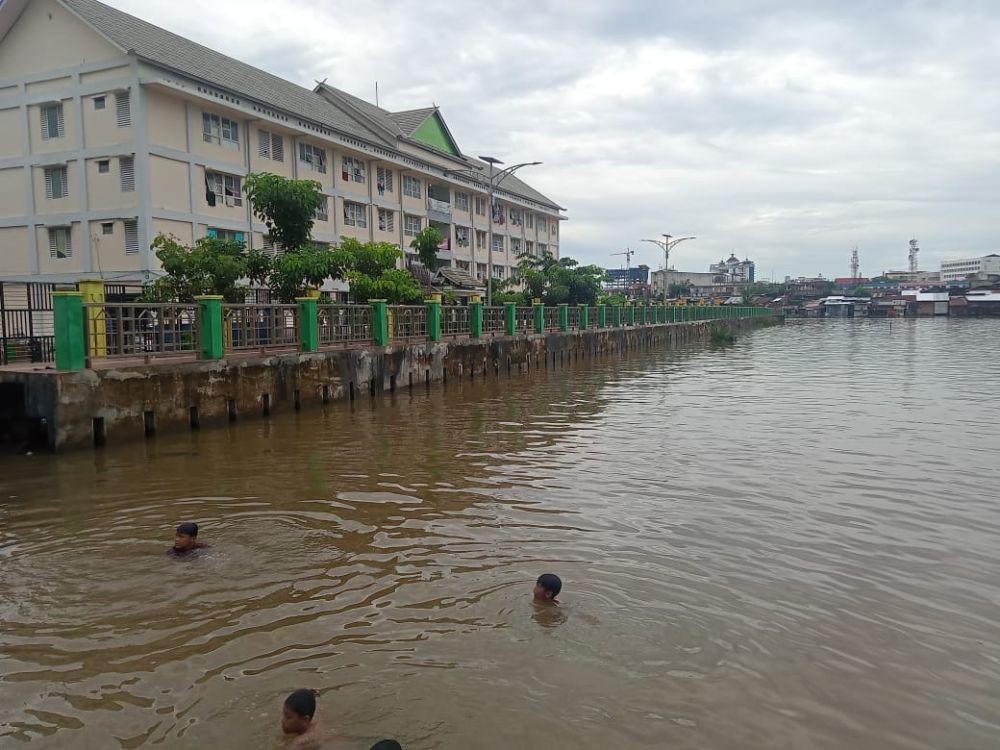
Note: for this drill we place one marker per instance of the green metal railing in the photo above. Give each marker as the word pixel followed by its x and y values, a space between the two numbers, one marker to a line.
pixel 211 329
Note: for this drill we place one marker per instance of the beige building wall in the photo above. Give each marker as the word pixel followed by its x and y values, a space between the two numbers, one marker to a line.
pixel 306 172
pixel 170 184
pixel 15 258
pixel 260 163
pixel 41 145
pixel 47 264
pixel 100 126
pixel 166 120
pixel 116 73
pixel 232 154
pixel 69 204
pixel 11 143
pixel 71 41
pixel 12 198
pixel 105 190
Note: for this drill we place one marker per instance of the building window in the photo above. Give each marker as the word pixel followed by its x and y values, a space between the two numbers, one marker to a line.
pixel 226 189
pixel 123 109
pixel 385 220
pixel 225 234
pixel 126 169
pixel 312 157
pixel 53 125
pixel 542 249
pixel 543 224
pixel 383 180
pixel 270 146
pixel 269 247
pixel 60 243
pixel 554 229
pixel 104 166
pixel 411 225
pixel 481 239
pixel 323 212
pixel 107 228
pixel 480 206
pixel 515 217
pixel 55 183
pixel 481 271
pixel 462 236
pixel 498 213
pixel 462 201
pixel 100 102
pixel 353 169
pixel 355 214
pixel 498 243
pixel 411 186
pixel 498 272
pixel 220 130
pixel 529 246
pixel 515 274
pixel 131 237
pixel 530 219
pixel 515 246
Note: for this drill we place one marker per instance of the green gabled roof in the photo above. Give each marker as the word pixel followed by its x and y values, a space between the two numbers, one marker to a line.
pixel 428 127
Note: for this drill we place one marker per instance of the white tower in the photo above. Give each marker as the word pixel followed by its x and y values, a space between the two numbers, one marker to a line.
pixel 914 252
pixel 854 263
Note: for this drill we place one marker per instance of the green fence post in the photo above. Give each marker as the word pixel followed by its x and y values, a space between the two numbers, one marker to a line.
pixel 433 319
pixel 308 323
pixel 510 316
pixel 210 333
pixel 539 317
pixel 476 316
pixel 380 321
pixel 584 317
pixel 631 315
pixel 70 336
pixel 563 316
pixel 616 316
pixel 602 316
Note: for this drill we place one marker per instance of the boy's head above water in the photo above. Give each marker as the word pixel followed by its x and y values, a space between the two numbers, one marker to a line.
pixel 298 711
pixel 547 587
pixel 186 537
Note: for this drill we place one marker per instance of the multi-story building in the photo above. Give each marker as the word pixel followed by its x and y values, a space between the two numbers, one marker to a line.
pixel 115 131
pixel 975 269
pixel 622 279
pixel 738 271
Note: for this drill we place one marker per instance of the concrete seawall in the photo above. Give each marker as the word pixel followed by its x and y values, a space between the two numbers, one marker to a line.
pixel 90 407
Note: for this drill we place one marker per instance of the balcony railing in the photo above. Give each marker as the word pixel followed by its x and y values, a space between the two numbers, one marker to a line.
pixel 441 207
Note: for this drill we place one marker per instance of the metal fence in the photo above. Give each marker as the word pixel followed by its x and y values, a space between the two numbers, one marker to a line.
pixel 574 317
pixel 551 318
pixel 27 326
pixel 408 322
pixel 247 327
pixel 455 321
pixel 137 330
pixel 524 320
pixel 593 317
pixel 494 321
pixel 345 324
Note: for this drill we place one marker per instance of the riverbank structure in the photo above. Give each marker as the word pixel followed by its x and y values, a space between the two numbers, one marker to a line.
pixel 116 131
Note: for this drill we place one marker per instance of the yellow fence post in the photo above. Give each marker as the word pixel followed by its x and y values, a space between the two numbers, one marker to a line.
pixel 97 339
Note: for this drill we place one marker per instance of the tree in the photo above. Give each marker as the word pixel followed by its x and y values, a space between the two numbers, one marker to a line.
pixel 560 281
pixel 373 274
pixel 426 243
pixel 212 266
pixel 287 207
pixel 291 274
pixel 679 290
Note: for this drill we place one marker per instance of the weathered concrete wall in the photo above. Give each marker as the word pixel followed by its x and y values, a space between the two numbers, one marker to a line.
pixel 129 402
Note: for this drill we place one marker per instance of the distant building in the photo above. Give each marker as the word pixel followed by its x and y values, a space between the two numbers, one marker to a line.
pixel 849 282
pixel 738 271
pixel 978 269
pixel 622 278
pixel 928 276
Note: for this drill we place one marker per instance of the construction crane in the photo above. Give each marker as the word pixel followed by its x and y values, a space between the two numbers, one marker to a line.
pixel 914 252
pixel 854 264
pixel 628 253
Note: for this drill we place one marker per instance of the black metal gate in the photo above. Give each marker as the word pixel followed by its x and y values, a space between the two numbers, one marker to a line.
pixel 27 328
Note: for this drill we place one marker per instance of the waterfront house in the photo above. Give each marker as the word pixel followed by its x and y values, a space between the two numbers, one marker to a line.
pixel 115 130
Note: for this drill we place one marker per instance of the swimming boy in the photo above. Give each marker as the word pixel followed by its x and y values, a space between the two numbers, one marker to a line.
pixel 547 588
pixel 297 718
pixel 186 539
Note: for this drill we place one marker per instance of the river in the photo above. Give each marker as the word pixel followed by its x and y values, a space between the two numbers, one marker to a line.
pixel 793 542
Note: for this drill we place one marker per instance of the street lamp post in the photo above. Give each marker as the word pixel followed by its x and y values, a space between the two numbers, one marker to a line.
pixel 494 178
pixel 667 244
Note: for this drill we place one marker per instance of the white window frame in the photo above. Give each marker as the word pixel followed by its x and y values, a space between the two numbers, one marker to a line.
pixel 65 233
pixel 353 168
pixel 408 230
pixel 481 205
pixel 220 130
pixel 51 182
pixel 323 212
pixel 462 236
pixel 104 166
pixel 131 231
pixel 46 120
pixel 270 145
pixel 386 219
pixel 412 186
pixel 543 224
pixel 481 270
pixel 480 239
pixel 383 179
pixel 530 220
pixel 498 240
pixel 107 228
pixel 355 214
pixel 126 173
pixel 220 182
pixel 515 246
pixel 123 109
pixel 100 102
pixel 461 201
pixel 312 157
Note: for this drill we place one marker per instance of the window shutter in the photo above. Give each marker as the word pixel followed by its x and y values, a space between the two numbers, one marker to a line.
pixel 124 109
pixel 263 144
pixel 48 183
pixel 126 166
pixel 277 147
pixel 131 237
pixel 53 244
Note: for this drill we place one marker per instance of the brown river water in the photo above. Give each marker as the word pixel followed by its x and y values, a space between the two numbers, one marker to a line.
pixel 790 543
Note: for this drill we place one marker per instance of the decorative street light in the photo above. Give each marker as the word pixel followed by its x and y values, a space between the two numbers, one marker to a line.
pixel 667 244
pixel 493 178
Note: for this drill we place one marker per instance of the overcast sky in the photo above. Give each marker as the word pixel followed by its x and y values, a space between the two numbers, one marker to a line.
pixel 785 131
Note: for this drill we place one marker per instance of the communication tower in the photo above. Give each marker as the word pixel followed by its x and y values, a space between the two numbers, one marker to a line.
pixel 854 263
pixel 914 252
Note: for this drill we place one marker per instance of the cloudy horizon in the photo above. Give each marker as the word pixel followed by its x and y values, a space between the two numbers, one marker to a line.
pixel 784 132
